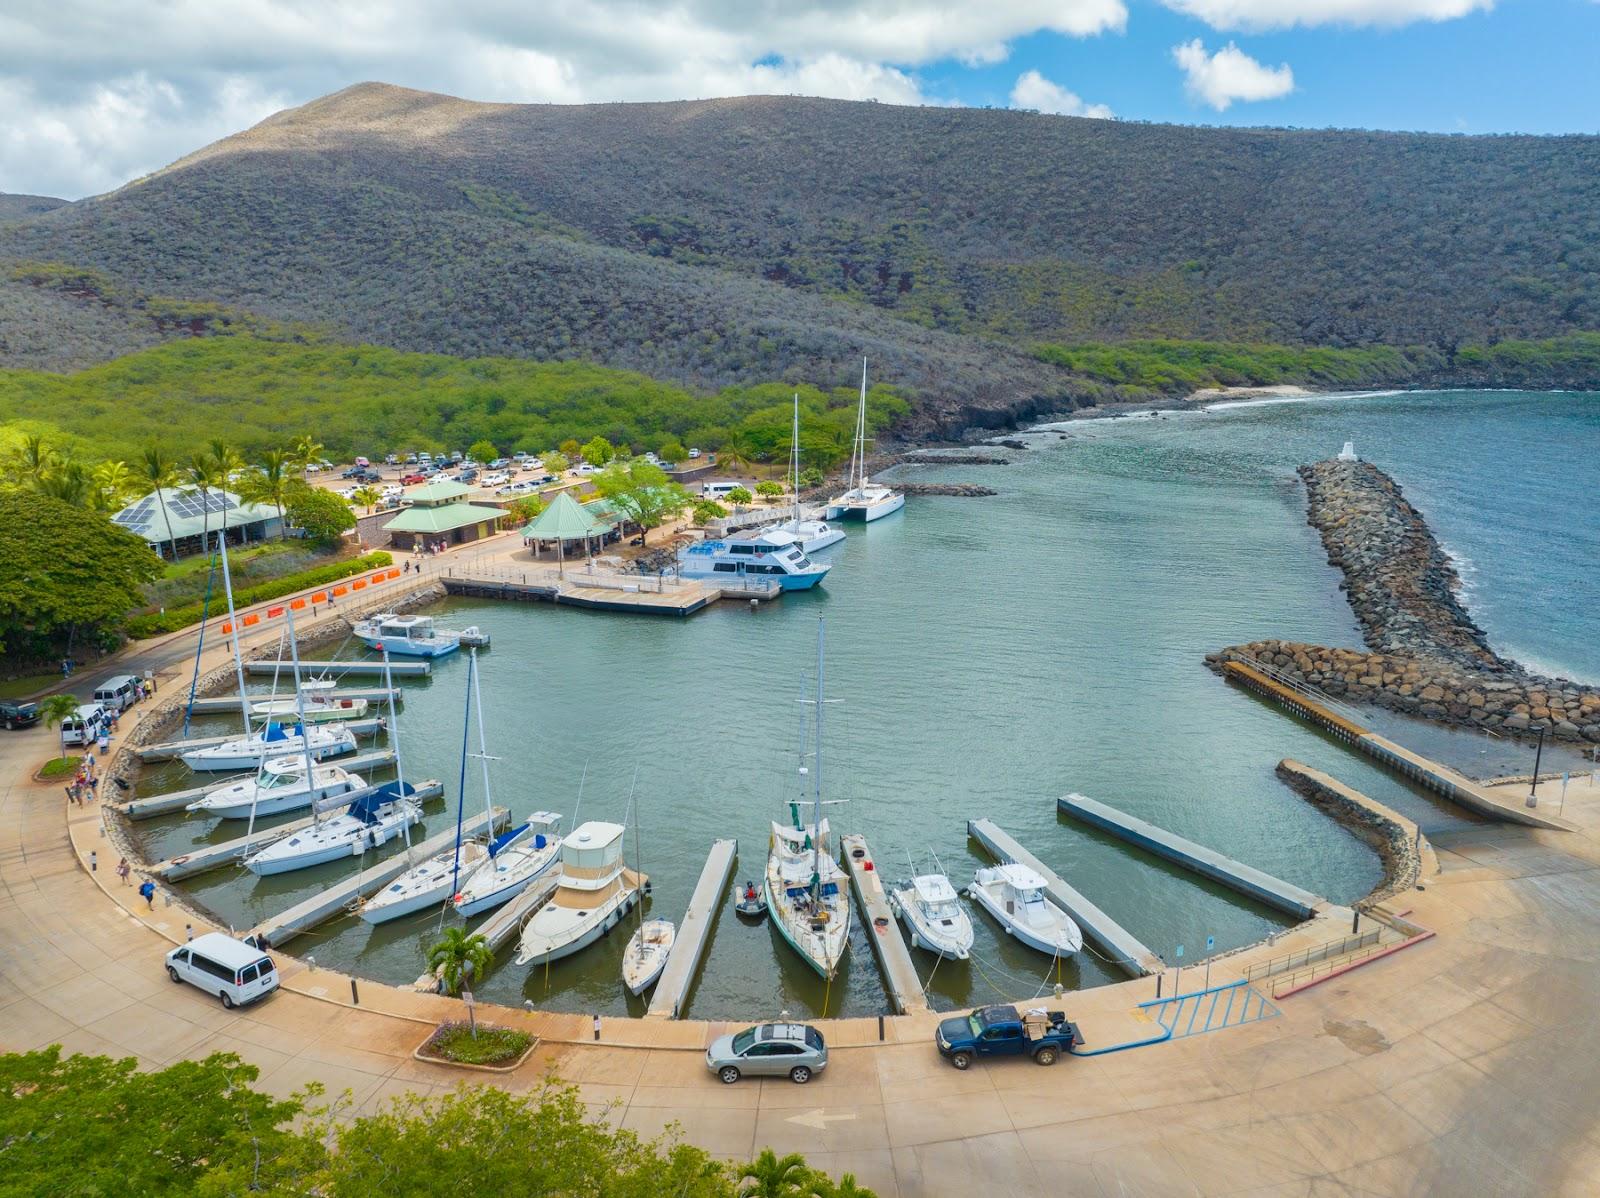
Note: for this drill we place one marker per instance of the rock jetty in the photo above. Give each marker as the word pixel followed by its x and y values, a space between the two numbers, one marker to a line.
pixel 967 490
pixel 952 459
pixel 1427 655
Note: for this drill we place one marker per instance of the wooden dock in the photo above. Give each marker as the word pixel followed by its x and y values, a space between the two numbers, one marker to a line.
pixel 894 958
pixel 177 800
pixel 215 856
pixel 683 600
pixel 400 669
pixel 1128 953
pixel 228 704
pixel 167 750
pixel 337 898
pixel 694 932
pixel 1246 879
pixel 508 920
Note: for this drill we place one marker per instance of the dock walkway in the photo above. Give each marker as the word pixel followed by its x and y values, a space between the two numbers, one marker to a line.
pixel 602 590
pixel 177 800
pixel 1128 952
pixel 1247 880
pixel 335 899
pixel 228 704
pixel 400 669
pixel 894 958
pixel 694 932
pixel 167 750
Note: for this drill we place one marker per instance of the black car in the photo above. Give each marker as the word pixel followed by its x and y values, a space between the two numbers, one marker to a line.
pixel 14 714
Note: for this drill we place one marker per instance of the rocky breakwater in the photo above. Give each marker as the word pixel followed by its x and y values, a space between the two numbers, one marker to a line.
pixel 1427 656
pixel 967 490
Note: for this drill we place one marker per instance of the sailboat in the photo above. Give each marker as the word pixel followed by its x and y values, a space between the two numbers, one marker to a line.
pixel 864 500
pixel 809 533
pixel 279 786
pixel 651 943
pixel 595 891
pixel 803 882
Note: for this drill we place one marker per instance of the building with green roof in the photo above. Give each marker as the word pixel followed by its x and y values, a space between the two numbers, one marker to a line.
pixel 440 512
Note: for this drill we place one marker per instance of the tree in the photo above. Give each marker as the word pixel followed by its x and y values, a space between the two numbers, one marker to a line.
pixel 304 452
pixel 323 515
pixel 811 477
pixel 598 451
pixel 643 493
pixel 482 451
pixel 735 455
pixel 113 482
pixel 159 472
pixel 740 495
pixel 201 473
pixel 707 510
pixel 64 568
pixel 33 460
pixel 772 1176
pixel 824 1186
pixel 526 508
pixel 451 955
pixel 269 482
pixel 557 463
pixel 55 708
pixel 367 497
pixel 672 452
pixel 769 490
pixel 71 483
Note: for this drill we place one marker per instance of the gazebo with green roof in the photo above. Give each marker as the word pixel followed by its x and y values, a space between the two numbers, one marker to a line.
pixel 566 520
pixel 439 512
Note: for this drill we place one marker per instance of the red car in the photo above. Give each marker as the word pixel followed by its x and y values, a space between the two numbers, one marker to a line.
pixel 413 479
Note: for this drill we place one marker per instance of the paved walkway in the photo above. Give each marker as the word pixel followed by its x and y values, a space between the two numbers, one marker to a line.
pixel 1463 1065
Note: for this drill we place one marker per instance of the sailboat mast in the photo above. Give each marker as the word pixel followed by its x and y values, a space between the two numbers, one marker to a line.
pixel 300 716
pixel 394 739
pixel 461 791
pixel 794 463
pixel 233 621
pixel 861 430
pixel 816 782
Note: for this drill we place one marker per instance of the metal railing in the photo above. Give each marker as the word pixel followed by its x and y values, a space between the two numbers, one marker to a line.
pixel 1290 981
pixel 1309 956
pixel 1304 689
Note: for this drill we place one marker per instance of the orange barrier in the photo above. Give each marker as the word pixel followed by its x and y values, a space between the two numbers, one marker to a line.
pixel 341 591
pixel 297 604
pixel 274 612
pixel 250 619
pixel 378 577
pixel 359 584
pixel 393 574
pixel 320 597
pixel 227 628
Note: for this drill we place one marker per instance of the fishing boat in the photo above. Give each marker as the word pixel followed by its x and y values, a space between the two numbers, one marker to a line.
pixel 318 708
pixel 809 533
pixel 274 740
pixel 413 636
pixel 279 786
pixel 594 893
pixel 1014 895
pixel 863 499
pixel 767 556
pixel 516 859
pixel 751 903
pixel 803 882
pixel 371 821
pixel 646 954
pixel 933 914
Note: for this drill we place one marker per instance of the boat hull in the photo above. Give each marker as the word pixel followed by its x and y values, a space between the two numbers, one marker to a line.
pixel 200 762
pixel 1019 931
pixel 923 937
pixel 277 805
pixel 825 969
pixel 504 894
pixel 601 925
pixel 400 646
pixel 266 863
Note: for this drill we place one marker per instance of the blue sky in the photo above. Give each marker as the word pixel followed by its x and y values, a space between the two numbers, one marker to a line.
pixel 98 92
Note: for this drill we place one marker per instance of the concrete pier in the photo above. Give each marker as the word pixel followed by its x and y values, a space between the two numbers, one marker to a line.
pixel 177 800
pixel 167 750
pixel 215 856
pixel 508 920
pixel 338 897
pixel 1247 880
pixel 683 600
pixel 1128 953
pixel 229 704
pixel 400 669
pixel 694 931
pixel 894 958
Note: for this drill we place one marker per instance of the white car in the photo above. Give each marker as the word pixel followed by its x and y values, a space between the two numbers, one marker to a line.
pixel 494 479
pixel 533 464
pixel 589 468
pixel 236 972
pixel 694 453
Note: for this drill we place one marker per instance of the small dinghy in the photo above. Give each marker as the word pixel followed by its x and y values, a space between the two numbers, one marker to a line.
pixel 1014 895
pixel 646 954
pixel 751 903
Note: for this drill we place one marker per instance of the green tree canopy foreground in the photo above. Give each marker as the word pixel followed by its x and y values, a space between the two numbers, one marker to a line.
pixel 65 572
pixel 91 1127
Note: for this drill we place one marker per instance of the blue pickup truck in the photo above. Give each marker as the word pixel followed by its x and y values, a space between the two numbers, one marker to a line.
pixel 1002 1032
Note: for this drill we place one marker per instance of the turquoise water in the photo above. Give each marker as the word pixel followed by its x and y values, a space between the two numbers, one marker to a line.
pixel 985 657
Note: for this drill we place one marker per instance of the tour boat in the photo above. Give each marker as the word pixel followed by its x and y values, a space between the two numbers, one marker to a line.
pixel 411 636
pixel 864 499
pixel 594 893
pixel 275 740
pixel 279 787
pixel 372 821
pixel 932 912
pixel 766 556
pixel 646 954
pixel 317 708
pixel 1014 895
pixel 515 861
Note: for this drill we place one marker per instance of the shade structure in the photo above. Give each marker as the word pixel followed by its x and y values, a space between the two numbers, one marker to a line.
pixel 564 520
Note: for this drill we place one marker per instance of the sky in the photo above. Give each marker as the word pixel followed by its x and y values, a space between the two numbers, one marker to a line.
pixel 94 93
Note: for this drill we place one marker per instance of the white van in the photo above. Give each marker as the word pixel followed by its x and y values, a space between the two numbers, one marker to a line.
pixel 236 972
pixel 718 490
pixel 83 726
pixel 117 694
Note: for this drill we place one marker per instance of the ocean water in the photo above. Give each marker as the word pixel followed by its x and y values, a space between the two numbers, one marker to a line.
pixel 985 656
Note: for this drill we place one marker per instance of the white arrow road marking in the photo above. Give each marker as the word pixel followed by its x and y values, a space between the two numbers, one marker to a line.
pixel 817 1119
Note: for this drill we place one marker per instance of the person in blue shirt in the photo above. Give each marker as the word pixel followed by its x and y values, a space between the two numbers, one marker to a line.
pixel 147 891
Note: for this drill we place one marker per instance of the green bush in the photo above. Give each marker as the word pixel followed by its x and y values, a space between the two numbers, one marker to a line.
pixel 489 1046
pixel 156 623
pixel 58 767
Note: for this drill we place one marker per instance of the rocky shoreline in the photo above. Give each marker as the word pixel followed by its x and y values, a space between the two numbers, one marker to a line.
pixel 1427 655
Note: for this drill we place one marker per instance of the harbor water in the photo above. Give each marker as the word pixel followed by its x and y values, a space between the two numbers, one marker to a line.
pixel 983 657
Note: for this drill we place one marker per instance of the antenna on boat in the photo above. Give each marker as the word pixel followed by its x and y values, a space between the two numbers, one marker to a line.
pixel 638 855
pixel 394 739
pixel 466 729
pixel 816 773
pixel 584 778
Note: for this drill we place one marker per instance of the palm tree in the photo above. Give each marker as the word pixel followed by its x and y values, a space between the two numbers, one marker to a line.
pixel 202 475
pixel 70 483
pixel 734 455
pixel 226 459
pixel 451 956
pixel 368 496
pixel 56 708
pixel 33 460
pixel 304 452
pixel 822 1186
pixel 269 481
pixel 113 483
pixel 772 1176
pixel 160 472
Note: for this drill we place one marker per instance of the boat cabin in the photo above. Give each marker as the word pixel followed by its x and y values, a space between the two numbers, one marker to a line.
pixel 591 858
pixel 936 897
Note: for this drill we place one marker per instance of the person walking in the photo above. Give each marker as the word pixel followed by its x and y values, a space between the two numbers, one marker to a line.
pixel 147 891
pixel 123 870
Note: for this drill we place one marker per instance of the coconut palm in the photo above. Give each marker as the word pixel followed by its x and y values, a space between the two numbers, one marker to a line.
pixel 304 451
pixel 69 482
pixel 451 956
pixel 226 459
pixel 823 1186
pixel 33 460
pixel 772 1176
pixel 202 475
pixel 160 472
pixel 55 708
pixel 367 496
pixel 269 482
pixel 113 482
pixel 735 456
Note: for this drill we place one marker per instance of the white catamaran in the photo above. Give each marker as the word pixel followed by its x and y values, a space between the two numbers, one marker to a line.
pixel 808 532
pixel 864 500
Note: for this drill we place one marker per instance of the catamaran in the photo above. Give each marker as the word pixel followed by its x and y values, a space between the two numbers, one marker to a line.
pixel 809 533
pixel 863 500
pixel 1014 895
pixel 768 556
pixel 413 636
pixel 279 786
pixel 594 893
pixel 932 912
pixel 803 882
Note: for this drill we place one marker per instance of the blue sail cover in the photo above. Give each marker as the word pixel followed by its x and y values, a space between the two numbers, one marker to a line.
pixel 505 838
pixel 369 807
pixel 274 733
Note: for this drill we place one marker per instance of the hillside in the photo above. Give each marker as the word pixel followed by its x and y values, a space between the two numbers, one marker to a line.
pixel 738 241
pixel 16 207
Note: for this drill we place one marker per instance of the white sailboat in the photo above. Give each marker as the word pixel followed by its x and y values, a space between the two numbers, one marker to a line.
pixel 803 883
pixel 1014 895
pixel 864 499
pixel 594 893
pixel 809 533
pixel 279 786
pixel 273 740
pixel 933 914
pixel 318 708
pixel 646 954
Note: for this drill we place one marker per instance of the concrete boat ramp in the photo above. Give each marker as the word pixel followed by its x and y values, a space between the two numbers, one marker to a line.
pixel 167 750
pixel 177 800
pixel 894 958
pixel 694 932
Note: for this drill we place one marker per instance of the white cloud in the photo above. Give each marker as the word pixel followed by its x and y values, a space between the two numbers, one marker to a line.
pixel 1257 15
pixel 94 92
pixel 1033 90
pixel 1228 75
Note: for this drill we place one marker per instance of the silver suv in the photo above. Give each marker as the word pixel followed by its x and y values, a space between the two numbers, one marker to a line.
pixel 771 1050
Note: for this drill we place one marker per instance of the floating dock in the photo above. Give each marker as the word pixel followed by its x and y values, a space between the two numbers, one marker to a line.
pixel 215 856
pixel 177 800
pixel 694 932
pixel 176 748
pixel 508 920
pixel 1440 779
pixel 894 958
pixel 682 600
pixel 228 704
pixel 400 669
pixel 1127 952
pixel 338 897
pixel 1247 880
